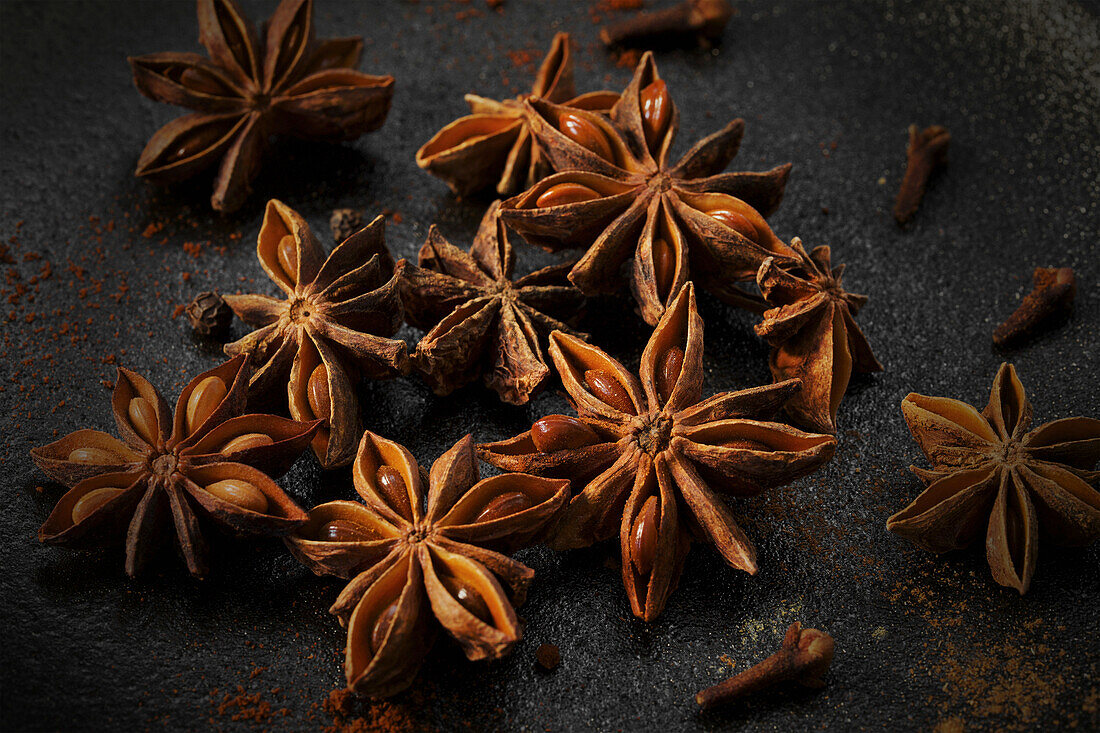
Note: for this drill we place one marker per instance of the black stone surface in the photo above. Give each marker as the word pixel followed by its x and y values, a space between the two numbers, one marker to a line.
pixel 922 641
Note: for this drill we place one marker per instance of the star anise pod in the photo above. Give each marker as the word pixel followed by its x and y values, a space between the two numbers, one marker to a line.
pixel 417 565
pixel 813 333
pixel 651 460
pixel 481 321
pixel 616 194
pixel 332 326
pixel 288 83
pixel 988 464
pixel 494 145
pixel 204 460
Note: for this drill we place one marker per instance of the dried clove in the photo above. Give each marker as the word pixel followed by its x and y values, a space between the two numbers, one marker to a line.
pixel 804 657
pixel 926 153
pixel 1055 288
pixel 702 20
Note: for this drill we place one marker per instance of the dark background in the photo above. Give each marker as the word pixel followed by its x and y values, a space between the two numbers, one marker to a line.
pixel 922 641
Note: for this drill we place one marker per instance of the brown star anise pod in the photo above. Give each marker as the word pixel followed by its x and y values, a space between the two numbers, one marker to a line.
pixel 988 464
pixel 616 194
pixel 494 145
pixel 411 561
pixel 482 322
pixel 249 90
pixel 205 459
pixel 331 327
pixel 652 460
pixel 813 333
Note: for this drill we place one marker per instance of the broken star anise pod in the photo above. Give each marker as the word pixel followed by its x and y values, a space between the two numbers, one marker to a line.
pixel 333 325
pixel 494 145
pixel 616 195
pixel 481 321
pixel 813 333
pixel 420 562
pixel 989 471
pixel 251 88
pixel 651 460
pixel 205 460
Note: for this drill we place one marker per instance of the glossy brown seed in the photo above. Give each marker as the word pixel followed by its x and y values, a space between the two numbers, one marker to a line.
pixel 643 537
pixel 585 133
pixel 565 193
pixel 343 530
pixel 246 442
pixel 608 389
pixel 206 396
pixel 91 501
pixel 745 444
pixel 737 222
pixel 317 393
pixel 561 432
pixel 669 365
pixel 656 111
pixel 664 266
pixel 241 493
pixel 382 625
pixel 288 258
pixel 504 505
pixel 95 456
pixel 144 419
pixel 470 599
pixel 392 487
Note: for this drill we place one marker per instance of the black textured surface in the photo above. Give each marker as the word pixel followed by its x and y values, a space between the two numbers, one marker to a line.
pixel 922 641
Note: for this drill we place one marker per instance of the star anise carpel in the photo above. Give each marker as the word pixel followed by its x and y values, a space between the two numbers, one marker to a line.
pixel 203 460
pixel 332 327
pixel 480 321
pixel 652 460
pixel 494 145
pixel 989 470
pixel 616 194
pixel 423 560
pixel 250 89
pixel 813 333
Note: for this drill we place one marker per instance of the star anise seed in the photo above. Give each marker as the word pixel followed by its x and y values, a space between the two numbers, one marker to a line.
pixel 288 83
pixel 660 466
pixel 420 562
pixel 988 464
pixel 332 327
pixel 205 460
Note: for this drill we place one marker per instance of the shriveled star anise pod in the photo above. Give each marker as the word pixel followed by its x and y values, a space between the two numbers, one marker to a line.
pixel 287 83
pixel 204 460
pixel 332 327
pixel 616 194
pixel 651 460
pixel 813 333
pixel 482 323
pixel 420 562
pixel 988 465
pixel 494 145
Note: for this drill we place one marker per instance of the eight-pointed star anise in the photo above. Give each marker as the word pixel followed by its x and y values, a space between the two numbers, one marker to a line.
pixel 651 460
pixel 288 83
pixel 494 145
pixel 813 333
pixel 417 565
pixel 205 459
pixel 615 194
pixel 482 322
pixel 332 326
pixel 987 464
